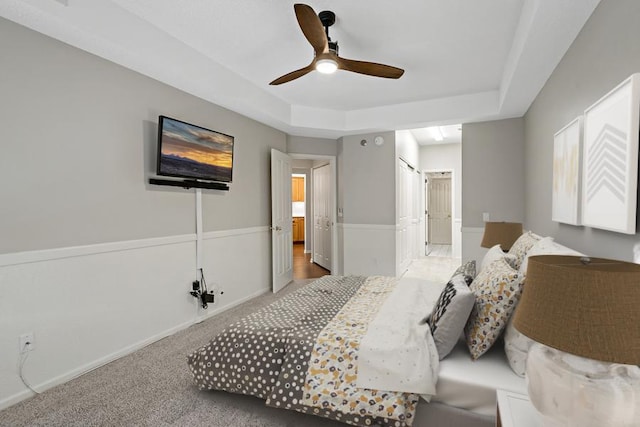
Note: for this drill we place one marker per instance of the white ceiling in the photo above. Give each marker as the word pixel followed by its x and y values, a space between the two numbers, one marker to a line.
pixel 464 60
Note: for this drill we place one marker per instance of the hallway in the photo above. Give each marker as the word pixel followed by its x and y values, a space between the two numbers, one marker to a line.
pixel 303 268
pixel 439 251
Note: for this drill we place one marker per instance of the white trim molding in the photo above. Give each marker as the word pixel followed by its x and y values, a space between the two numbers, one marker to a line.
pixel 98 248
pixel 235 232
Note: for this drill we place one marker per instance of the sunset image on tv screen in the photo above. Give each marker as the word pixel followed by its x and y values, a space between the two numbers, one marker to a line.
pixel 191 151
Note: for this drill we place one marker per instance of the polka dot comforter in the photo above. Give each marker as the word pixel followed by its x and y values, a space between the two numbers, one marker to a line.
pixel 301 353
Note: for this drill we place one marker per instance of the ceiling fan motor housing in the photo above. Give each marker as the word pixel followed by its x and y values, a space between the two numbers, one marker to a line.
pixel 327 18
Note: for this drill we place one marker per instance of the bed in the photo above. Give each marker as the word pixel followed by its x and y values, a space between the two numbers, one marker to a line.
pixel 357 350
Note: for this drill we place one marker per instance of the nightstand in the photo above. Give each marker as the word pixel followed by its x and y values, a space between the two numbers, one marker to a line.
pixel 516 410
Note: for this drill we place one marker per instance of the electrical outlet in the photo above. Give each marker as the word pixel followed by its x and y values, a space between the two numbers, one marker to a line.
pixel 27 342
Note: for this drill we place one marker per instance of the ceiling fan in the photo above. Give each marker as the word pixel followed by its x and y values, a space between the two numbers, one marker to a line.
pixel 326 59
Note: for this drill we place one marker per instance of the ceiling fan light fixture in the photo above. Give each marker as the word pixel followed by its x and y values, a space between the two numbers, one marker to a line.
pixel 326 66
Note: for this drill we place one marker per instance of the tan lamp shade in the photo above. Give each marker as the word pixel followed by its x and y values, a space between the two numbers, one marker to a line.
pixel 501 233
pixel 586 307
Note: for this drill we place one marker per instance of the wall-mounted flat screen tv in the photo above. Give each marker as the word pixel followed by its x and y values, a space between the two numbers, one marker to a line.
pixel 190 151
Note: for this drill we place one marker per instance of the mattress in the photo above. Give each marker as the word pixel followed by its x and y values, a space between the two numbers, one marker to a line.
pixel 472 385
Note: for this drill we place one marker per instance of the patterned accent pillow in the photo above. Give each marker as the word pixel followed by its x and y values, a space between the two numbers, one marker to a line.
pixel 468 269
pixel 522 245
pixel 450 313
pixel 497 291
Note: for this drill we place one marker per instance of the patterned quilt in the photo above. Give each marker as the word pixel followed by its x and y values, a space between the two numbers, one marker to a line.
pixel 301 353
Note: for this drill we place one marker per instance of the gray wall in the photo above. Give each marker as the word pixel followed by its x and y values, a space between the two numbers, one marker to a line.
pixel 605 53
pixel 367 179
pixel 445 157
pixel 308 145
pixel 493 179
pixel 78 143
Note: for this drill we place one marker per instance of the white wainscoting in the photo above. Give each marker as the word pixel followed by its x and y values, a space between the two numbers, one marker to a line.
pixel 471 249
pixel 90 305
pixel 369 249
pixel 237 262
pixel 456 233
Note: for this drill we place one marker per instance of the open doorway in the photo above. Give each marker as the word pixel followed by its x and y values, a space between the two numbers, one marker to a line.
pixel 438 212
pixel 311 206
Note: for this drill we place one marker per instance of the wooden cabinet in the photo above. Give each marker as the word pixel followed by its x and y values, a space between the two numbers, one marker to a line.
pixel 297 189
pixel 298 229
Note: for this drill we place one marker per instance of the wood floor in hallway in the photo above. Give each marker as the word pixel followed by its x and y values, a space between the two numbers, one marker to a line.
pixel 303 268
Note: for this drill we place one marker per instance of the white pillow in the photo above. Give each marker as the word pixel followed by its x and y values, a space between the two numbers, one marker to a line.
pixel 494 254
pixel 546 246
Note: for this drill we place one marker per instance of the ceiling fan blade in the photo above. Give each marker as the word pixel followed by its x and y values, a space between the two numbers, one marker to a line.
pixel 370 68
pixel 293 75
pixel 312 27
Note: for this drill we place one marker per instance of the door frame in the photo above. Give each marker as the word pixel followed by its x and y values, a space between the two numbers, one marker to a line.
pixel 453 205
pixel 334 204
pixel 306 199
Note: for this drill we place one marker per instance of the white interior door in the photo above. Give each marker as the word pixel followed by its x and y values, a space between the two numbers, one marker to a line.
pixel 439 211
pixel 322 221
pixel 281 220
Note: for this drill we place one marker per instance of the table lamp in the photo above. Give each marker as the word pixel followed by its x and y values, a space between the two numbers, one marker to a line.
pixel 584 314
pixel 501 233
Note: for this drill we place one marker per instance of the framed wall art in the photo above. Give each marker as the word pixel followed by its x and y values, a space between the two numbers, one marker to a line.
pixel 610 159
pixel 567 164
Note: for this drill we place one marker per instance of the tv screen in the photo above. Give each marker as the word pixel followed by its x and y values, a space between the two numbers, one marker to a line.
pixel 190 151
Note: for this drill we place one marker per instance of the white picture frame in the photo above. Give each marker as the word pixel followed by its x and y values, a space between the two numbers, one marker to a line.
pixel 610 159
pixel 567 167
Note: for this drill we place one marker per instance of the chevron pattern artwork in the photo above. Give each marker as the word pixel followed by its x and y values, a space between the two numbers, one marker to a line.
pixel 607 164
pixel 610 161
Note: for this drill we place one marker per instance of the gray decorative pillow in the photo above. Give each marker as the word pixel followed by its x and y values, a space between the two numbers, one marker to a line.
pixel 450 314
pixel 468 269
